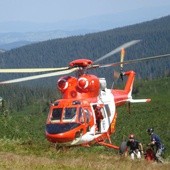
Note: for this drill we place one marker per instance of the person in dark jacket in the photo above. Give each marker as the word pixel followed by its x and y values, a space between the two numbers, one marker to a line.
pixel 99 117
pixel 157 144
pixel 134 147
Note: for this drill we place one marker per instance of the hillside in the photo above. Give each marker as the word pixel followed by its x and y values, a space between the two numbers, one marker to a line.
pixel 155 36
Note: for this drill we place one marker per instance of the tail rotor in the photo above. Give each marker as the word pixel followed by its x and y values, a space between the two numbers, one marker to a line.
pixel 117 74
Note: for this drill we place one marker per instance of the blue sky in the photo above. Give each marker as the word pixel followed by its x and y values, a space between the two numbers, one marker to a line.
pixel 58 10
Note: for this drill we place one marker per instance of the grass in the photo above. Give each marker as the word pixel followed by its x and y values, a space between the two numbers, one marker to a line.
pixel 77 160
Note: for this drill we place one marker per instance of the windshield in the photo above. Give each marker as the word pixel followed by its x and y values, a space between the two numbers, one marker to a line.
pixel 56 114
pixel 69 114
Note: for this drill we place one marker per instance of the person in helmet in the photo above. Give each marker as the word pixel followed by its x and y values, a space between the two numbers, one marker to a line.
pixel 134 147
pixel 157 144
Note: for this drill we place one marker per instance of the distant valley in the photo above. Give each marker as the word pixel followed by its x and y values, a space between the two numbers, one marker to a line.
pixel 13 40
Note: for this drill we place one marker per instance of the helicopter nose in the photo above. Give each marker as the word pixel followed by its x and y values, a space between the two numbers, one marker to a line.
pixel 62 133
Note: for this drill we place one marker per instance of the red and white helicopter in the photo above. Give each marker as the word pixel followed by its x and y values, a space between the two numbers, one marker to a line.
pixel 86 113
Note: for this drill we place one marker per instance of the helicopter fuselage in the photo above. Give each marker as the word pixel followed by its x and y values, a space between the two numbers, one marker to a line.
pixel 73 122
pixel 72 119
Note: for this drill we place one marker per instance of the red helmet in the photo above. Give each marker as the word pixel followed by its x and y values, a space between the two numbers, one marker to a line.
pixel 98 107
pixel 131 136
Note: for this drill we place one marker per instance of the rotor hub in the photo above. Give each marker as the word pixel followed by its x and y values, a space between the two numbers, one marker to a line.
pixel 81 63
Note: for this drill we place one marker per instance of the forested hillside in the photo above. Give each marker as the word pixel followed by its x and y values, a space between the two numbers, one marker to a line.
pixel 154 36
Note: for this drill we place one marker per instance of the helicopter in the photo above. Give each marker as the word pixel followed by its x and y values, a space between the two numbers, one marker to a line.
pixel 86 113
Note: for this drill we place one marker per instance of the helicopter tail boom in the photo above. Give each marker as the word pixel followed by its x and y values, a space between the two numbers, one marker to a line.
pixel 125 95
pixel 129 86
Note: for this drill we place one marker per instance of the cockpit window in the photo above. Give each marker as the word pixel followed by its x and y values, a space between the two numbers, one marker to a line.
pixel 80 116
pixel 56 114
pixel 84 115
pixel 87 114
pixel 69 114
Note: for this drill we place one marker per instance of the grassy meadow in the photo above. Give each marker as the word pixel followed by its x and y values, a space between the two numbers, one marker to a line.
pixel 23 144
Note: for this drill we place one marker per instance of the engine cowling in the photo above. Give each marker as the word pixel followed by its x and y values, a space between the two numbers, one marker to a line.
pixel 86 86
pixel 66 82
pixel 88 83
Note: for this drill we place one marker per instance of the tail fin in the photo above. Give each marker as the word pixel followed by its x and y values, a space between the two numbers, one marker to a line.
pixel 129 87
pixel 129 84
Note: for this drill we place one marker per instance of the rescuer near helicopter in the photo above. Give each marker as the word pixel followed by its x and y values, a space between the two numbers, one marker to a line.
pixel 99 117
pixel 134 147
pixel 157 144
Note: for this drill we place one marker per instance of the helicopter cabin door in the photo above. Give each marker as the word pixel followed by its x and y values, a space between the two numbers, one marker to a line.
pixel 105 122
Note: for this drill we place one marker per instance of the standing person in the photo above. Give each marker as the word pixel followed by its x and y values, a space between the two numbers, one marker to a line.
pixel 134 147
pixel 99 117
pixel 157 144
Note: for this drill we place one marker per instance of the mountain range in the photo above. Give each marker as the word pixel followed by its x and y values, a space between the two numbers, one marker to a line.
pixel 16 34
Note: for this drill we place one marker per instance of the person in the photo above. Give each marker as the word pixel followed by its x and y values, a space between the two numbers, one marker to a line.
pixel 157 144
pixel 134 147
pixel 99 116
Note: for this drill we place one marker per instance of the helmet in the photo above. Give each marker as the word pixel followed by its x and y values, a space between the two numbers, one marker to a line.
pixel 98 107
pixel 131 136
pixel 150 130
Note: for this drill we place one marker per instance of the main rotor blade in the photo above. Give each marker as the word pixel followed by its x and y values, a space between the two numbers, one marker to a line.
pixel 31 70
pixel 39 76
pixel 118 49
pixel 134 61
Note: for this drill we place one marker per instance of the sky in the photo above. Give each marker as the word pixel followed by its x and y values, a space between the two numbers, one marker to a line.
pixel 58 10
